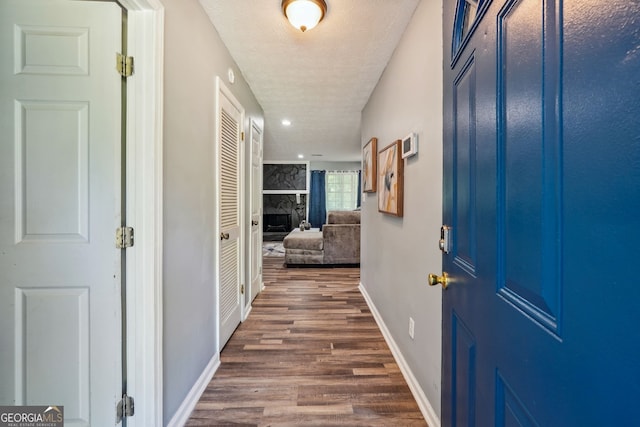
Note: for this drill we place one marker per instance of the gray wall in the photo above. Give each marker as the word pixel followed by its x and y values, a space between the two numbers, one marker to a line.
pixel 194 55
pixel 336 166
pixel 399 253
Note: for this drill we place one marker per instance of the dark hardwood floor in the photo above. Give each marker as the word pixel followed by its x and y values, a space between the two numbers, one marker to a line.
pixel 310 353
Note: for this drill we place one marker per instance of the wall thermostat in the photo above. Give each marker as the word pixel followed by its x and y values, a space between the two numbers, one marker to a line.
pixel 409 145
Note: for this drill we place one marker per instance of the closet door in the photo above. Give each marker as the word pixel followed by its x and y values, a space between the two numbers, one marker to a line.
pixel 230 262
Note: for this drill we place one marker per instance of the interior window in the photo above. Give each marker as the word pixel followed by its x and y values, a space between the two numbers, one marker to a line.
pixel 470 10
pixel 341 190
pixel 466 15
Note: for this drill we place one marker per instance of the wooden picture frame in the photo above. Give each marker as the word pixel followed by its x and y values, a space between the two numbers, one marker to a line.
pixel 391 179
pixel 369 170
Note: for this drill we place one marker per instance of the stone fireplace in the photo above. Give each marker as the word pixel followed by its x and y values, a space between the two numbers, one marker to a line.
pixel 284 198
pixel 276 222
pixel 281 214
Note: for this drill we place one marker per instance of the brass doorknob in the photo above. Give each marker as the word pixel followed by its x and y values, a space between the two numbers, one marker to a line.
pixel 443 280
pixel 224 236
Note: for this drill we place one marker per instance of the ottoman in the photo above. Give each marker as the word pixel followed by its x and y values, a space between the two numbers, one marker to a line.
pixel 303 247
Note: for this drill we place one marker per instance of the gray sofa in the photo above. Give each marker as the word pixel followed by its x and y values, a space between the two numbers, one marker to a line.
pixel 337 243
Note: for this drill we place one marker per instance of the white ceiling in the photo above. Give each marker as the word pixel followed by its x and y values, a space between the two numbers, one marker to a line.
pixel 320 79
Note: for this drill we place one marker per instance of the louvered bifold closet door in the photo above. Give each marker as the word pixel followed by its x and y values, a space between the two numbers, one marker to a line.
pixel 230 245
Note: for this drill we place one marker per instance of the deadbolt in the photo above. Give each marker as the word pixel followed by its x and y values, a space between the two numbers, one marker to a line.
pixel 445 239
pixel 443 280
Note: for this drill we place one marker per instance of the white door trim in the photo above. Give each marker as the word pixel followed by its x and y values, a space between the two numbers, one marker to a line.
pixel 144 210
pixel 243 212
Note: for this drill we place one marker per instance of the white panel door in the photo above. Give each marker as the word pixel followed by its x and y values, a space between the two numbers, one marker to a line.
pixel 229 120
pixel 256 210
pixel 60 103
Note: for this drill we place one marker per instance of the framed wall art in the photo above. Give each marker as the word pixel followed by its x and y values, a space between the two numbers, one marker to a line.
pixel 369 172
pixel 391 179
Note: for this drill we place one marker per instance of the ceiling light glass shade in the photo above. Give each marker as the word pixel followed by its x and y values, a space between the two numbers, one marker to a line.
pixel 304 14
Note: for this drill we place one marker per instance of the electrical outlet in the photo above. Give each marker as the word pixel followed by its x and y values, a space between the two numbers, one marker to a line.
pixel 411 327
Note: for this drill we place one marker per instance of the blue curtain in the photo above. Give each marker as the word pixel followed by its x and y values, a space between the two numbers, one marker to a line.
pixel 358 200
pixel 317 199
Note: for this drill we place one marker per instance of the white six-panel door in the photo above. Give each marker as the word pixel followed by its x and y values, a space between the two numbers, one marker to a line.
pixel 60 200
pixel 256 211
pixel 230 261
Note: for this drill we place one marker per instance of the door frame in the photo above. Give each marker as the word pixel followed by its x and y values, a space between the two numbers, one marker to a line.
pixel 144 210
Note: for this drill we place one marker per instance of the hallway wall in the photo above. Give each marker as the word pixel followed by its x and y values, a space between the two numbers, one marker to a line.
pixel 399 253
pixel 336 166
pixel 194 55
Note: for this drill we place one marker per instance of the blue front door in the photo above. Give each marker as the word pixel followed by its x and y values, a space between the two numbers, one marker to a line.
pixel 541 319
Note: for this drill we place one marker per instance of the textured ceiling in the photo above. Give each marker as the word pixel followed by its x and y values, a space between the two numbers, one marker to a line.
pixel 320 79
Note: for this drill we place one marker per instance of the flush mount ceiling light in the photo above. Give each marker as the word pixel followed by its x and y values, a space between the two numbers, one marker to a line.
pixel 304 14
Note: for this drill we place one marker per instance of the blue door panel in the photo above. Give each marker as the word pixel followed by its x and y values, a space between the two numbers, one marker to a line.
pixel 464 239
pixel 510 411
pixel 520 88
pixel 463 374
pixel 529 159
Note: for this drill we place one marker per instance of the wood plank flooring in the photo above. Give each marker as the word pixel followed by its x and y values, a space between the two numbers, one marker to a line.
pixel 310 353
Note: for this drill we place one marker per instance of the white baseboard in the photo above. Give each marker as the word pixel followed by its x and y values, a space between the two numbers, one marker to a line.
pixel 423 403
pixel 247 311
pixel 181 416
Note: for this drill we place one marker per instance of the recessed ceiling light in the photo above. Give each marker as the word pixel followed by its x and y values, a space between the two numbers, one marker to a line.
pixel 301 156
pixel 286 122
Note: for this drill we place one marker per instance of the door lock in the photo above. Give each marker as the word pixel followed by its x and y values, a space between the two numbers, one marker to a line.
pixel 443 280
pixel 224 236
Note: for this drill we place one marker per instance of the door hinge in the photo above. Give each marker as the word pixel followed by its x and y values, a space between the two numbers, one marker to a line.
pixel 242 289
pixel 124 237
pixel 124 65
pixel 124 408
pixel 242 136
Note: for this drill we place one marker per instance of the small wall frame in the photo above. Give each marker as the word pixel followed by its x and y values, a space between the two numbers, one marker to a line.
pixel 369 166
pixel 391 179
